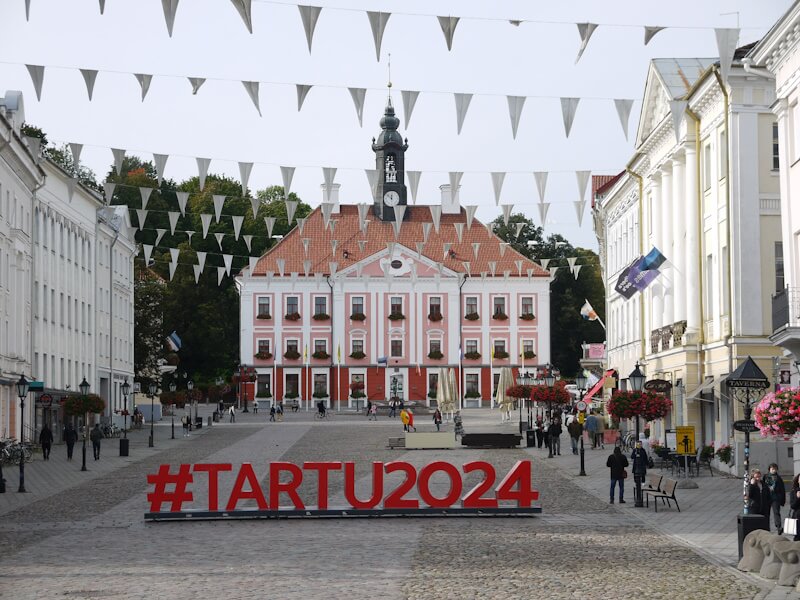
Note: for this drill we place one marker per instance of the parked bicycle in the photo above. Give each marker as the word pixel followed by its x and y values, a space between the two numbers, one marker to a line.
pixel 626 441
pixel 111 431
pixel 11 451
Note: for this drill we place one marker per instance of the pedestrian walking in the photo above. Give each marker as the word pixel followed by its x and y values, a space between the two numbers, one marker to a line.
pixel 221 408
pixel 411 420
pixel 437 419
pixel 369 408
pixel 280 412
pixel 639 459
pixel 539 432
pixel 185 423
pixel 96 435
pixel 591 428
pixel 373 412
pixel 272 413
pixel 575 430
pixel 255 407
pixel 404 419
pixel 600 433
pixel 70 437
pixel 617 464
pixel 232 413
pixel 555 432
pixel 777 490
pixel 393 409
pixel 46 441
pixel 458 424
pixel 794 502
pixel 760 497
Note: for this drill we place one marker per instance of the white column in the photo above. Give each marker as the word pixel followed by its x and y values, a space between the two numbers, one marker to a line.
pixel 678 257
pixel 667 233
pixel 655 219
pixel 692 243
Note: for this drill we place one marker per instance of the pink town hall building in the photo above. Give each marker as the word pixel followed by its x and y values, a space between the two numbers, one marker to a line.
pixel 370 302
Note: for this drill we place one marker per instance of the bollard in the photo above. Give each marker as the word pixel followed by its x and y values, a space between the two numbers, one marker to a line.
pixel 209 421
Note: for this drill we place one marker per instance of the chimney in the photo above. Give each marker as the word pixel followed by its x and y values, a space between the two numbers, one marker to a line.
pixel 13 109
pixel 450 205
pixel 334 196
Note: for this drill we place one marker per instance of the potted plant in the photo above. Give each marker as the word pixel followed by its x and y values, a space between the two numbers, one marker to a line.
pixel 707 451
pixel 500 354
pixel 264 316
pixel 395 316
pixel 725 454
pixel 527 316
pixel 263 355
pixel 500 316
pixel 435 355
pixel 435 317
pixel 358 317
pixel 472 316
pixel 295 316
pixel 291 354
pixel 472 355
pixel 321 317
pixel 320 355
pixel 357 355
pixel 529 354
pixel 357 390
pixel 264 394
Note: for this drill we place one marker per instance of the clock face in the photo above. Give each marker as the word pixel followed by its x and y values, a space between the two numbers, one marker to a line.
pixel 391 198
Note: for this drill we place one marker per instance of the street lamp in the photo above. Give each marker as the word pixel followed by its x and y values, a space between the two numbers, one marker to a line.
pixel 172 388
pixel 123 442
pixel 636 379
pixel 152 389
pixel 522 379
pixel 22 391
pixel 189 388
pixel 84 388
pixel 549 380
pixel 581 382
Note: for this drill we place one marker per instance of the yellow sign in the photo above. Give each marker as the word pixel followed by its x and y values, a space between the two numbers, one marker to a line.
pixel 685 439
pixel 581 417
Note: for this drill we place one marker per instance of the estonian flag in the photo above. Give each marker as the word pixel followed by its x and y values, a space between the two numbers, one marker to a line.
pixel 174 341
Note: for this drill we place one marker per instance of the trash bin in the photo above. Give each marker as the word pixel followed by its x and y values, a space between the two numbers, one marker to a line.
pixel 198 423
pixel 530 438
pixel 123 446
pixel 748 523
pixel 209 421
pixel 216 417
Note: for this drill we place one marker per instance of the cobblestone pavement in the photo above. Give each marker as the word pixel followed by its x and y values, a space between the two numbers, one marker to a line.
pixel 89 541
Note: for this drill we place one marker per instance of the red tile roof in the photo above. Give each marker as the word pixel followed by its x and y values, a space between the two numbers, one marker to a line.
pixel 348 233
pixel 601 183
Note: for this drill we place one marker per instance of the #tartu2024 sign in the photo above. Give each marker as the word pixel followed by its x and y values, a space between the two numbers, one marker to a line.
pixel 173 488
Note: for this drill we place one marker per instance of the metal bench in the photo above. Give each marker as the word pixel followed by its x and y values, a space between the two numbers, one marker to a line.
pixel 667 494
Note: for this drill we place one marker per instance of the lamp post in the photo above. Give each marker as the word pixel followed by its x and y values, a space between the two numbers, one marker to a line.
pixel 189 388
pixel 123 442
pixel 581 381
pixel 84 388
pixel 152 389
pixel 172 388
pixel 22 391
pixel 549 381
pixel 636 379
pixel 522 379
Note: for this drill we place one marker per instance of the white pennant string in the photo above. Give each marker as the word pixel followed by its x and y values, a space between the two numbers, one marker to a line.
pixel 328 174
pixel 302 92
pixel 727 40
pixel 446 250
pixel 174 253
pixel 108 188
pixel 420 247
pixel 37 77
pixel 476 246
pixel 677 108
pixel 377 22
pixel 287 173
pixel 144 82
pixel 205 219
pixel 569 106
pixel 413 179
pixel 237 225
pixel 363 209
pixel 576 270
pixel 623 107
pixel 301 223
pixel 436 216
pixel 543 208
pixel 409 100
pixel 183 198
pixel 332 268
pixel 119 157
pixel 220 275
pixel 503 246
pixel 492 267
pixel 252 90
pixel 515 105
pixel 141 215
pixel 580 207
pixel 89 78
pixel 498 179
pixel 27 10
pixel 219 201
pixel 159 234
pixel 358 95
pixel 291 209
pixel 334 246
pixel 306 245
pixel 506 212
pixel 75 150
pixel 309 15
pixel 173 221
pixel 518 228
pixel 544 262
pixel 201 260
pixel 399 213
pixel 244 176
pixel 462 105
pixel 248 240
pixel 448 25
pixel 253 263
pixel 220 236
pixel 270 223
pixel 541 183
pixel 362 245
pixel 189 235
pixel 196 83
pixel 326 208
pixel 255 204
pixel 170 9
pixel 582 178
pixel 145 192
pixel 470 210
pixel 426 230
pixel 243 7
pixel 372 181
pixel 571 260
pixel 228 259
pixel 455 184
pixel 197 271
pixel 160 162
pixel 306 267
pixel 650 31
pixel 553 271
pixel 202 170
pixel 585 30
pixel 459 227
pixel 467 267
pixel 148 251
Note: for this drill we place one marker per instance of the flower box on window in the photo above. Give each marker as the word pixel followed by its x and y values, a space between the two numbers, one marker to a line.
pixel 291 355
pixel 472 355
pixel 320 395
pixel 396 316
pixel 435 355
pixel 500 316
pixel 432 393
pixel 358 355
pixel 435 317
pixel 358 317
pixel 472 394
pixel 263 316
pixel 320 355
pixel 357 394
pixel 291 396
pixel 500 354
pixel 264 395
pixel 321 317
pixel 472 316
pixel 263 355
pixel 527 316
pixel 529 354
pixel 292 316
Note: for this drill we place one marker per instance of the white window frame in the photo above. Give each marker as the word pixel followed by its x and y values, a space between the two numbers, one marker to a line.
pixel 402 347
pixel 522 305
pixel 269 305
pixel 505 303
pixel 314 304
pixel 467 343
pixel 292 339
pixel 286 303
pixel 358 339
pixel 477 304
pixel 363 304
pixel 402 304
pixel 314 344
pixel 264 339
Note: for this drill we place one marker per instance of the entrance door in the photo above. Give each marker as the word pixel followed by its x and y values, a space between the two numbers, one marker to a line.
pixel 396 386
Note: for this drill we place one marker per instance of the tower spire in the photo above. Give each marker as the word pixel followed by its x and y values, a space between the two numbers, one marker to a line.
pixel 389 84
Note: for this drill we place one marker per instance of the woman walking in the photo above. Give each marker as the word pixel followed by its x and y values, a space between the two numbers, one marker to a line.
pixel 437 419
pixel 46 441
pixel 617 463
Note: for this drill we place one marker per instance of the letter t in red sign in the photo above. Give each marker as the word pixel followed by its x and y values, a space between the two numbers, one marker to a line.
pixel 322 479
pixel 213 471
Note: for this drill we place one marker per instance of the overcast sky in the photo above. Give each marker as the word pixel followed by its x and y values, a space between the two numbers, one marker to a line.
pixel 490 58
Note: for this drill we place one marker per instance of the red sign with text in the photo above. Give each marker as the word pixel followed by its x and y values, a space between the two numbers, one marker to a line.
pixel 171 488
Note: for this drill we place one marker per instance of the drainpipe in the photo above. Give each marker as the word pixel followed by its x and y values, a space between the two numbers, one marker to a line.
pixel 747 63
pixel 461 342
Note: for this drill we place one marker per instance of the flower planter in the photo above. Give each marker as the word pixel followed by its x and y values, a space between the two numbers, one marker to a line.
pixel 528 317
pixel 529 355
pixel 292 317
pixel 264 316
pixel 291 355
pixel 435 355
pixel 357 355
pixel 500 316
pixel 321 317
pixel 396 316
pixel 358 317
pixel 472 317
pixel 472 355
pixel 320 355
pixel 263 355
pixel 435 317
pixel 500 355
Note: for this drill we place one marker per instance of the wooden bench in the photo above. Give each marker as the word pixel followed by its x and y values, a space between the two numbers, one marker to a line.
pixel 491 440
pixel 653 483
pixel 397 442
pixel 666 494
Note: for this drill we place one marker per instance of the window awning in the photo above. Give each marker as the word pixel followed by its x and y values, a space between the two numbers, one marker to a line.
pixel 598 386
pixel 703 387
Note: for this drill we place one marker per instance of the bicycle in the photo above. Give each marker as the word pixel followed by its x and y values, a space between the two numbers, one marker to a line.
pixel 323 415
pixel 12 451
pixel 626 442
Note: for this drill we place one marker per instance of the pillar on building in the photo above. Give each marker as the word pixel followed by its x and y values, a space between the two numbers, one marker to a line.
pixel 665 246
pixel 678 258
pixel 657 313
pixel 692 244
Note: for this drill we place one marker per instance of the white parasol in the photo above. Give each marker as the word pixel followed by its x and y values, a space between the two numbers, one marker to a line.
pixel 453 390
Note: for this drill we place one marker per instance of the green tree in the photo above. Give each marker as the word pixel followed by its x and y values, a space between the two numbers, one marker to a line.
pixel 567 294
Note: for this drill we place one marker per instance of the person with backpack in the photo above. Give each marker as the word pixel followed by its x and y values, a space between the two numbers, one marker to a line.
pixel 617 464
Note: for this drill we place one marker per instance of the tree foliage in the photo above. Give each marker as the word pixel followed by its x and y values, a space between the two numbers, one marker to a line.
pixel 567 294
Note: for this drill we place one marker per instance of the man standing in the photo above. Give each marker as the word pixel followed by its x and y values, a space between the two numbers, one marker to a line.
pixel 617 463
pixel 575 430
pixel 639 459
pixel 760 496
pixel 777 490
pixel 555 435
pixel 591 427
pixel 232 413
pixel 46 441
pixel 96 435
pixel 70 437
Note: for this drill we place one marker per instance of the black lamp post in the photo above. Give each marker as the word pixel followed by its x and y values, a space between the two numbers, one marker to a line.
pixel 522 379
pixel 22 392
pixel 581 381
pixel 549 381
pixel 172 388
pixel 636 379
pixel 152 389
pixel 84 388
pixel 126 389
pixel 189 388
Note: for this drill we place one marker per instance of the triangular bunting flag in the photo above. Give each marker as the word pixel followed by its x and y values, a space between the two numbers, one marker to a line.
pixel 582 177
pixel 420 247
pixel 543 208
pixel 219 201
pixel 506 212
pixel 580 207
pixel 436 215
pixel 228 259
pixel 623 107
pixel 173 221
pixel 571 260
pixel 248 240
pixel 677 108
pixel 197 271
pixel 541 183
pixel 189 235
pixel 492 267
pixel 75 150
pixel 476 246
pixel 362 245
pixel 306 245
pixel 390 246
pixel 196 83
pixel 372 181
pixel 148 251
pixel 255 204
pixel 553 271
pixel 37 77
pixel 446 250
pixel 309 15
pixel 448 25
pixel 328 174
pixel 727 40
pixel 108 188
pixel 237 225
pixel 252 90
pixel 183 198
pixel 518 228
pixel 253 262
pixel 160 233
pixel 301 223
pixel 455 184
pixel 201 260
pixel 377 21
pixel 358 95
pixel 409 100
pixel 141 215
pixel 649 32
pixel 145 192
pixel 144 82
pixel 334 246
pixel 363 209
pixel 291 209
pixel 470 210
pixel 569 107
pixel 306 267
pixel 413 180
pixel 174 253
pixel 544 262
pixel 243 7
pixel 270 223
pixel 89 77
pixel 426 231
pixel 399 213
pixel 467 267
pixel 244 176
pixel 459 227
pixel 326 208
pixel 205 219
pixel 161 162
pixel 119 157
pixel 302 92
pixel 202 170
pixel 220 236
pixel 287 173
pixel 515 105
pixel 462 105
pixel 503 246
pixel 576 270
pixel 170 8
pixel 220 275
pixel 332 268
pixel 585 30
pixel 497 184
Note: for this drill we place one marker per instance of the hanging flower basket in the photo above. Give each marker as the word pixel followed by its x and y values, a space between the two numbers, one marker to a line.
pixel 557 394
pixel 778 414
pixel 724 454
pixel 80 405
pixel 629 404
pixel 519 391
pixel 472 316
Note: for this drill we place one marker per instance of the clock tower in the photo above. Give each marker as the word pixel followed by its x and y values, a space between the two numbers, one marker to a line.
pixel 389 148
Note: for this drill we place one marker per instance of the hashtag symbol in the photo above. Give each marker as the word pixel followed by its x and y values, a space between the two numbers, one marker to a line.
pixel 165 478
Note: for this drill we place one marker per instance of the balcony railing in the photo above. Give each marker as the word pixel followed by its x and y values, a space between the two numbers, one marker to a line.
pixel 786 308
pixel 669 336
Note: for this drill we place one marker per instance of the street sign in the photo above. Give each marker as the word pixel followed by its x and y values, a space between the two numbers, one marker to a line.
pixel 45 400
pixel 36 386
pixel 660 386
pixel 745 425
pixel 685 439
pixel 581 405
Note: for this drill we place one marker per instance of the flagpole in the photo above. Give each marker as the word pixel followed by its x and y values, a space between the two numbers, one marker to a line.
pixel 491 373
pixel 339 379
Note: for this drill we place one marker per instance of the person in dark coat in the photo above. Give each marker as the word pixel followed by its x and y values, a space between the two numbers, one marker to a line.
pixel 46 441
pixel 794 502
pixel 539 432
pixel 575 430
pixel 639 463
pixel 96 435
pixel 617 463
pixel 555 436
pixel 70 437
pixel 777 491
pixel 760 497
pixel 437 419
